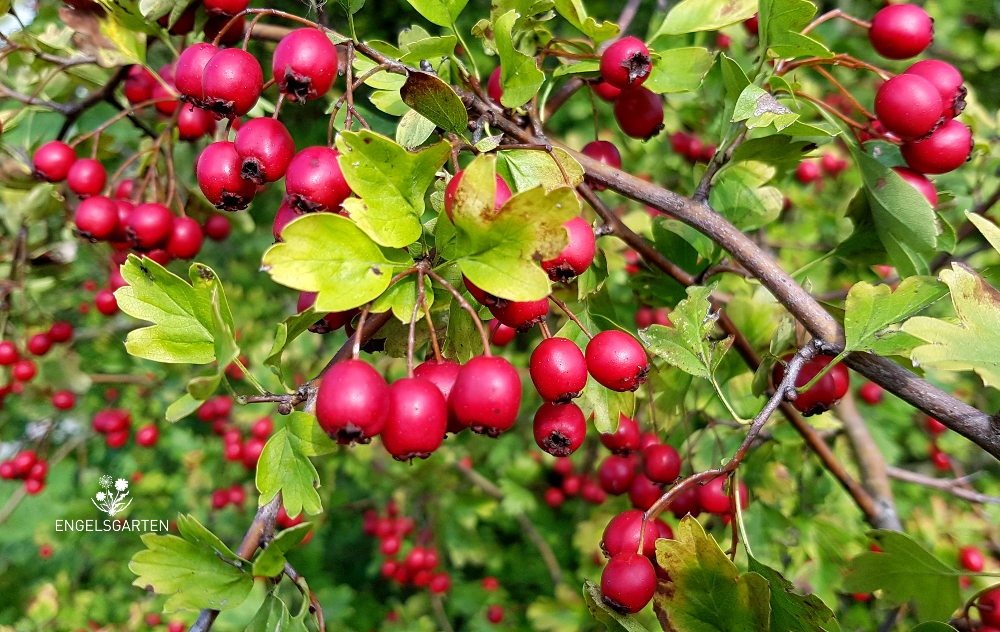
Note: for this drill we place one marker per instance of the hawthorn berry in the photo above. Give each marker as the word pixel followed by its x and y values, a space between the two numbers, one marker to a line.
pixel 96 218
pixel 490 584
pixel 494 87
pixel 909 106
pixel 521 315
pixel 623 533
pixel 554 497
pixel 752 25
pixel 7 471
pixel 971 559
pixel 500 334
pixel 60 331
pixel 286 213
pixel 487 395
pixel 23 462
pixel 266 148
pixel 304 64
pixel 713 498
pixel 578 254
pixel 124 189
pixel 390 545
pixel 262 428
pixel 639 113
pixel 615 474
pixel 989 607
pixel 948 81
pixel 571 485
pixel 606 91
pixel 807 171
pixel 494 614
pixel 901 31
pixel 194 122
pixel 220 498
pixel 217 228
pixel 24 370
pixel 166 97
pixel 440 583
pixel 63 400
pixel 563 466
pixel 723 41
pixel 237 495
pixel 558 369
pixel 39 344
pixel 418 418
pixel 252 450
pixel 314 181
pixel 159 255
pixel 232 83
pixel 647 439
pixel 147 435
pixel 52 161
pixel 235 28
pixel 940 459
pixel 185 238
pixel 642 492
pixel 226 8
pixel 149 226
pixel 189 71
pixel 625 439
pixel 218 169
pixel 628 582
pixel 39 470
pixel 501 193
pixel 34 486
pixel 661 463
pixel 685 503
pixel 86 177
pixel 934 426
pixel 626 63
pixel 176 626
pixel 943 151
pixel 604 152
pixel 8 353
pixel 616 360
pixel 559 429
pixel 350 404
pixel 138 85
pixel 822 395
pixel 919 182
pixel 871 393
pixel 442 374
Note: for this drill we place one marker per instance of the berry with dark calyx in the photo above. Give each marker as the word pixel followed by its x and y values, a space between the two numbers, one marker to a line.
pixel 625 439
pixel 218 170
pixel 606 91
pixel 554 497
pixel 8 353
pixel 661 463
pixel 138 85
pixel 418 418
pixel 39 344
pixel 628 582
pixel 559 429
pixel 639 112
pixel 86 177
pixel 149 226
pixel 604 152
pixel 578 254
pixel 96 218
pixel 558 369
pixel 501 193
pixel 521 315
pixel 63 400
pixel 821 396
pixel 626 63
pixel 713 498
pixel 494 87
pixel 350 404
pixel 265 147
pixel 615 474
pixel 24 370
pixel 919 182
pixel 185 239
pixel 442 374
pixel 909 106
pixel 314 181
pixel 617 361
pixel 147 435
pixel 623 532
pixel 943 151
pixel 286 213
pixel 901 31
pixel 948 81
pixel 61 331
pixel 189 70
pixel 106 302
pixel 232 82
pixel 304 64
pixel 52 161
pixel 494 614
pixel 331 322
pixel 226 8
pixel 871 392
pixel 217 228
pixel 194 122
pixel 971 559
pixel 487 395
pixel 807 171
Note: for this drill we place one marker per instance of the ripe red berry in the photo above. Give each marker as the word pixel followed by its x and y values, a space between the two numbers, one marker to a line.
pixel 96 218
pixel 390 545
pixel 265 147
pixel 821 396
pixel 304 64
pixel 989 607
pixel 908 106
pixel 639 113
pixel 219 171
pixel 563 466
pixel 440 583
pixel 24 370
pixel 615 474
pixel 494 614
pixel 232 82
pixel 161 92
pixel 554 497
pixel 124 189
pixel 626 63
pixel 39 470
pixel 901 31
pixel 490 584
pixel 194 122
pixel 86 177
pixel 52 161
pixel 494 88
pixel 723 41
pixel 190 70
pixel 713 498
pixel 149 226
pixel 106 302
pixel 262 428
pixel 8 353
pixel 521 315
pixel 443 375
pixel 314 181
pixel 233 450
pixel 940 459
pixel 935 427
pixel 752 25
pixel 185 239
pixel 559 429
pixel 604 152
pixel 34 486
pixel 237 495
pixel 623 532
pixel 285 215
pixel 571 485
pixel 416 559
pixel 63 400
pixel 617 361
pixel 138 84
pixel 625 439
pixel 23 462
pixel 39 344
pixel 606 91
pixel 628 582
pixel 871 393
pixel 948 81
pixel 919 182
pixel 418 418
pixel 578 254
pixel 646 440
pixel 487 395
pixel 220 498
pixel 147 435
pixel 60 331
pixel 226 8
pixel 558 369
pixel 661 463
pixel 501 335
pixel 807 171
pixel 217 228
pixel 971 559
pixel 501 193
pixel 350 404
pixel 642 492
pixel 252 450
pixel 7 471
pixel 945 150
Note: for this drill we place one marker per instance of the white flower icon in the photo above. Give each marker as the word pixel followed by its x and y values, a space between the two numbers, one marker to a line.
pixel 108 501
pixel 100 496
pixel 121 484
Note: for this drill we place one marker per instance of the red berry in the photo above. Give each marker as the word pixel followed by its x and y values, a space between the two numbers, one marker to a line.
pixel 723 41
pixel 286 213
pixel 217 228
pixel 124 189
pixel 487 395
pixel 175 626
pixel 558 369
pixel 908 106
pixel 314 181
pixel 63 400
pixel 604 152
pixel 752 25
pixel 232 82
pixel 935 427
pixel 639 113
pixel 501 335
pixel 616 473
pixel 23 462
pixel 626 63
pixel 418 418
pixel 233 451
pixel 494 614
pixel 194 122
pixel 34 486
pixel 53 160
pixel 233 34
pixel 305 64
pixel 220 498
pixel 149 226
pixel 106 302
pixel 617 361
pixel 252 450
pixel 622 535
pixel 945 150
pixel 807 171
pixel 24 370
pixel 554 497
pixel 443 375
pixel 713 498
pixel 919 182
pixel 389 568
pixel 940 459
pixel 161 92
pixel 571 485
pixel 642 492
pixel 138 85
pixel 490 584
pixel 521 315
pixel 871 393
pixel 86 177
pixel 563 466
pixel 606 91
pixel 501 193
pixel 948 81
pixel 147 435
pixel 494 88
pixel 901 31
pixel 623 440
pixel 237 495
pixel 661 463
pixel 262 428
pixel 440 583
pixel 989 607
pixel 45 551
pixel 821 396
pixel 60 331
pixel 389 545
pixel 186 238
pixel 971 559
pixel 218 169
pixel 351 402
pixel 628 582
pixel 421 578
pixel 39 344
pixel 190 70
pixel 7 471
pixel 559 429
pixel 578 254
pixel 226 8
pixel 8 353
pixel 265 146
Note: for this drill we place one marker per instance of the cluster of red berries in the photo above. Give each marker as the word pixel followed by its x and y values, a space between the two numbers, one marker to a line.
pixel 418 566
pixel 822 395
pixel 216 411
pixel 628 581
pixel 873 394
pixel 115 424
pixel 829 164
pixel 24 369
pixel 234 495
pixel 691 148
pixel 28 467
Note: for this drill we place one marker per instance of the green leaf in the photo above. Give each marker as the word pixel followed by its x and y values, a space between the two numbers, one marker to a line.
pixel 310 438
pixel 685 343
pixel 390 102
pixel 777 150
pixel 576 14
pixel 971 345
pixel 156 9
pixel 196 570
pixel 691 16
pixel 707 592
pixel 287 331
pixel 791 612
pixel 528 168
pixel 759 108
pixel 780 24
pixel 271 562
pixel 440 12
pixel 569 67
pixel 401 297
pixel 413 130
pixel 130 45
pixel 273 616
pixel 329 254
pixel 679 70
pixel 463 341
pixel 184 406
pixel 739 195
pixel 350 7
pixel 436 101
pixel 989 230
pixel 390 183
pixel 870 309
pixel 519 74
pixel 284 467
pixel 904 570
pixel 192 322
pixel 602 612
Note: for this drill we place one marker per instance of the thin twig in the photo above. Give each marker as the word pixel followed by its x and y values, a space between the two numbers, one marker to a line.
pixel 954 486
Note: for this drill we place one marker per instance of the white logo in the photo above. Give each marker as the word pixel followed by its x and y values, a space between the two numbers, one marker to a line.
pixel 111 501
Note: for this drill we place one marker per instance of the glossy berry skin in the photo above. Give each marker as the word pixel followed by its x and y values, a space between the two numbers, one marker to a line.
pixel 227 8
pixel 160 92
pixel 185 239
pixel 440 583
pixel 232 82
pixel 418 418
pixel 501 335
pixel 34 486
pixel 24 370
pixel 628 582
pixel 559 429
pixel 823 393
pixel 713 498
pixel 554 497
pixel 642 492
pixel 149 226
pixel 661 463
pixel 8 353
pixel 61 331
pixel 23 462
pixel 7 470
pixel 63 400
pixel 919 182
pixel 971 559
pixel 626 63
pixel 604 152
pixel 494 614
pixel 625 439
pixel 606 92
pixel 648 439
pixel 147 435
pixel 52 161
pixel 350 405
pixel 190 70
pixel 194 122
pixel 807 171
pixel 286 213
pixel 615 474
pixel 219 177
pixel 521 316
pixel 86 177
pixel 494 87
pixel 558 369
pixel 39 344
pixel 487 395
pixel 901 31
pixel 617 361
pixel 871 392
pixel 443 375
pixel 639 113
pixel 500 194
pixel 989 607
pixel 96 218
pixel 945 150
pixel 908 106
pixel 138 85
pixel 217 228
pixel 578 254
pixel 948 81
pixel 266 148
pixel 304 64
pixel 39 470
pixel 623 532
pixel 314 182
pixel 106 302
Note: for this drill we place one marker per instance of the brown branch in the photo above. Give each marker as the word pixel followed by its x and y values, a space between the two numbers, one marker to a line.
pixel 954 486
pixel 562 95
pixel 314 605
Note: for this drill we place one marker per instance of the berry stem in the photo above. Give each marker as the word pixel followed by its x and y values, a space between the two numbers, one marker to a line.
pixel 356 349
pixel 411 336
pixel 836 13
pixel 544 326
pixel 844 91
pixel 571 315
pixel 734 504
pixel 253 381
pixel 109 190
pixel 427 315
pixel 465 305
